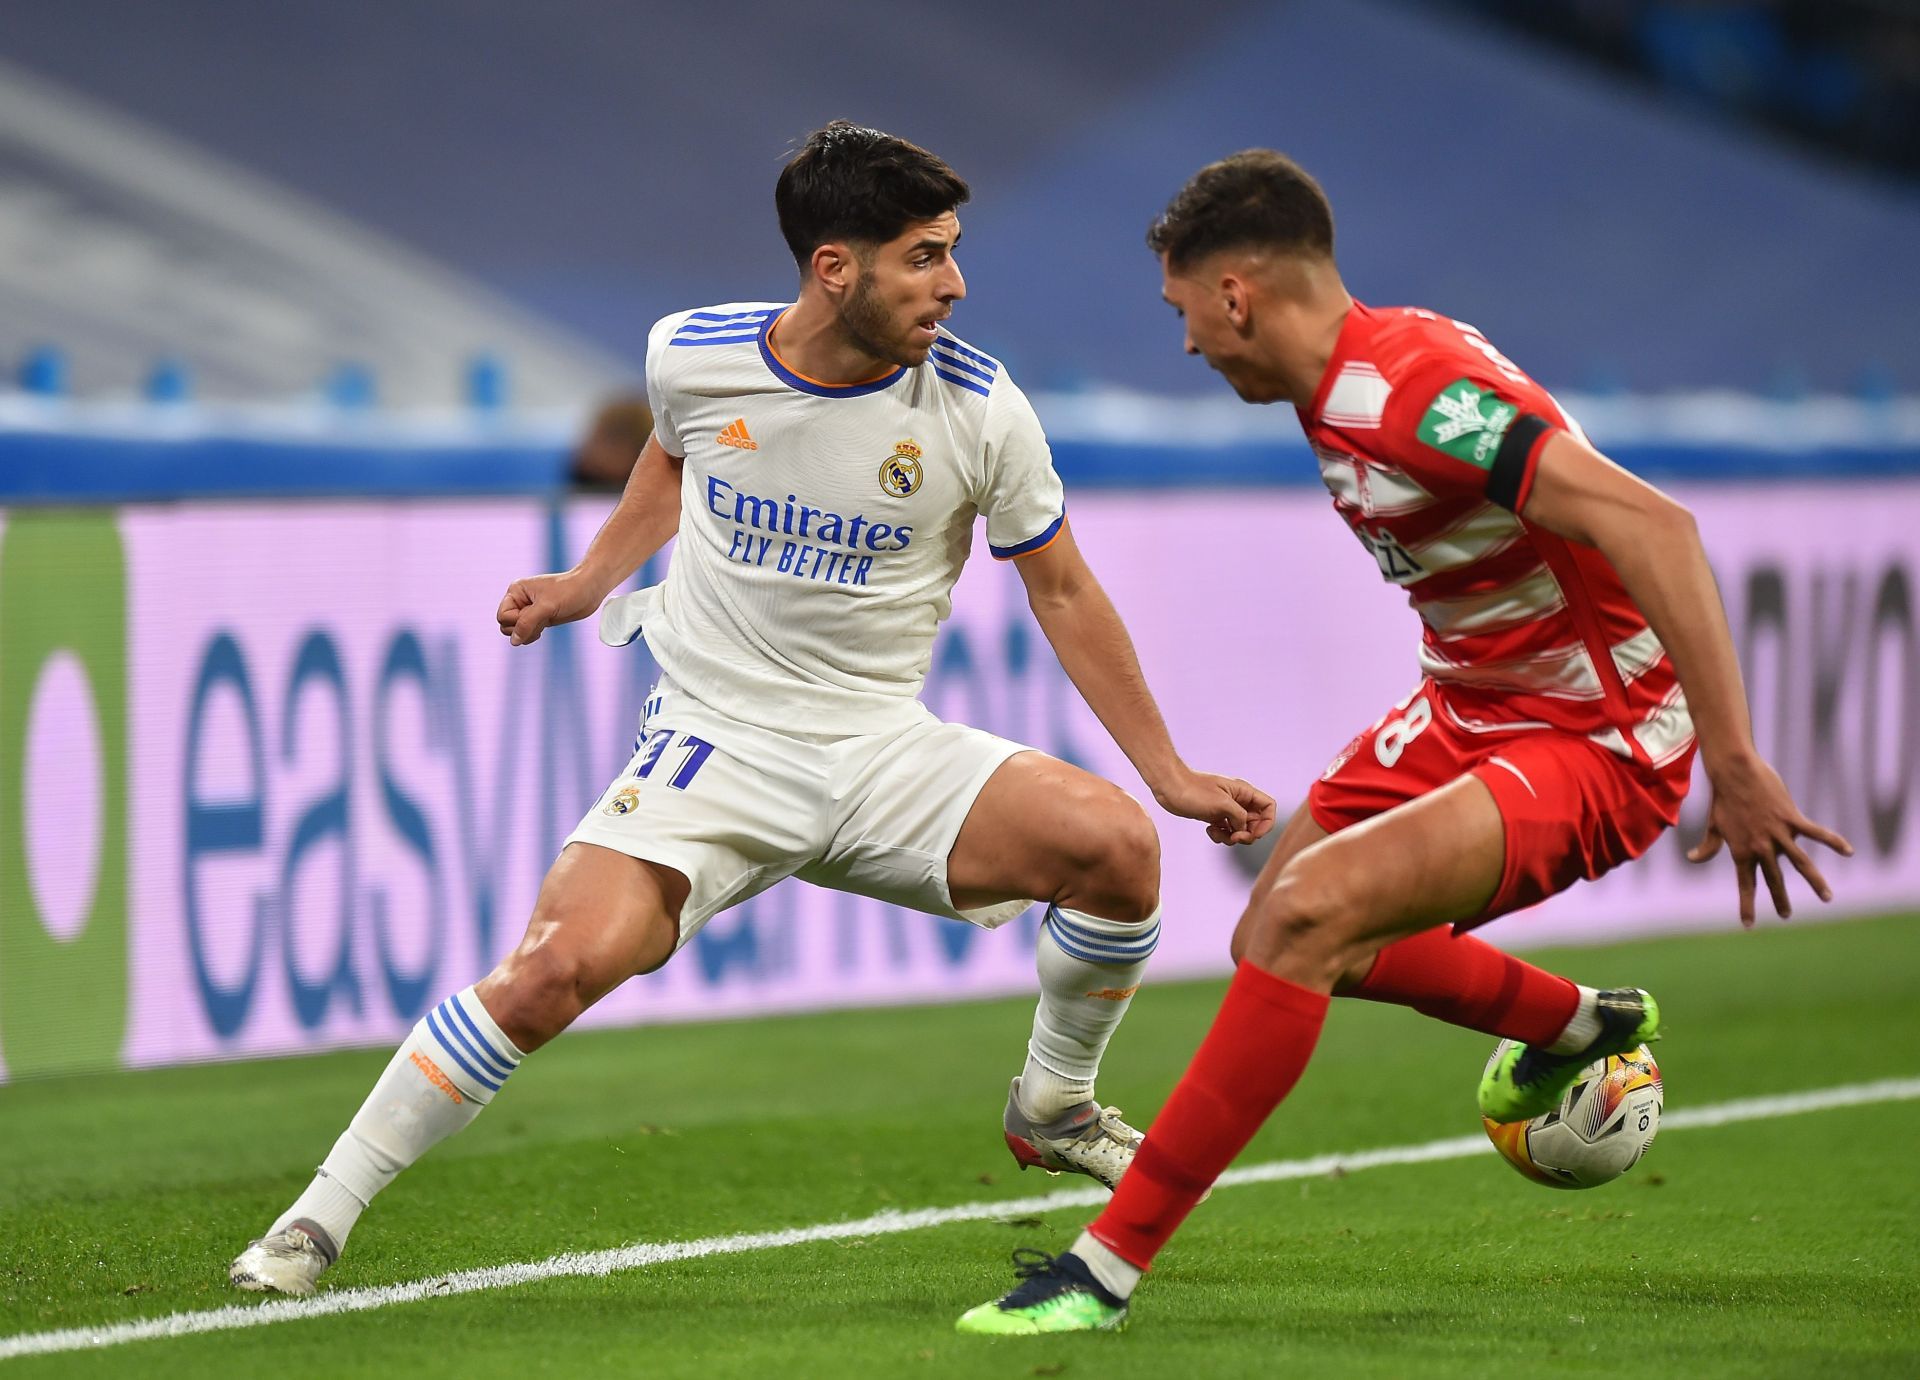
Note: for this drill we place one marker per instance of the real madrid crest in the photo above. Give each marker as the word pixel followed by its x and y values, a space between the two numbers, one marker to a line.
pixel 624 802
pixel 900 472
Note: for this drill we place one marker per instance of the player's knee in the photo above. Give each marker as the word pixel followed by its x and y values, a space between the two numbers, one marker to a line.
pixel 1123 869
pixel 538 991
pixel 1308 923
pixel 521 1004
pixel 561 968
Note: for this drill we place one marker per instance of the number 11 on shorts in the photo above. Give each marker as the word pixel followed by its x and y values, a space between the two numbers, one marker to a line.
pixel 698 750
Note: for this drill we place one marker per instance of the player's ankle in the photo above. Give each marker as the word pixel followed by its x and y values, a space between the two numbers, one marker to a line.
pixel 1582 1028
pixel 1046 1095
pixel 327 1203
pixel 1116 1275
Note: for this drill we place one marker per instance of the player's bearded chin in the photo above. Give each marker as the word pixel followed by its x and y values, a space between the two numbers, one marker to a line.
pixel 869 324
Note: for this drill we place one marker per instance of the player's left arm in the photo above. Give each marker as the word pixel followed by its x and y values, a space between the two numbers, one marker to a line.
pixel 1654 544
pixel 1086 633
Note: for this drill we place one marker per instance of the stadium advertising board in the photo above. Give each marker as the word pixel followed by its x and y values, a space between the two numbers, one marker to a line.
pixel 270 780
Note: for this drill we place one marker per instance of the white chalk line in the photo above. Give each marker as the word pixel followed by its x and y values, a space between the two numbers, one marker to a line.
pixel 888 1223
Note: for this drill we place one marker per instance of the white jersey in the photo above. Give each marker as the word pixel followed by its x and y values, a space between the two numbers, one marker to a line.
pixel 822 526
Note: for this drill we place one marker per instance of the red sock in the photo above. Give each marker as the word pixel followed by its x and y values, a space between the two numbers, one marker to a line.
pixel 1465 981
pixel 1254 1054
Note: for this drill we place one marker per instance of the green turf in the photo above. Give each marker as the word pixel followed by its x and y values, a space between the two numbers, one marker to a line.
pixel 1786 1247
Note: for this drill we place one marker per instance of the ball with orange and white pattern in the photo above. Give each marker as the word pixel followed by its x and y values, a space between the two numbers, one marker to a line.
pixel 1597 1132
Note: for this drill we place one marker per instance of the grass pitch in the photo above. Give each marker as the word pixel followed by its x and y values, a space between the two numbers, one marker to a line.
pixel 1788 1247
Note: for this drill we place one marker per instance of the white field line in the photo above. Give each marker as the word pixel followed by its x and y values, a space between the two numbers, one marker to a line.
pixel 887 1223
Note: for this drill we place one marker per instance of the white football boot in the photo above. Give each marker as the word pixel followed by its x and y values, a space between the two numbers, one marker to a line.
pixel 1088 1139
pixel 287 1262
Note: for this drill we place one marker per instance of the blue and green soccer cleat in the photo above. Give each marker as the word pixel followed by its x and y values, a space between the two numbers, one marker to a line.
pixel 1526 1081
pixel 1056 1293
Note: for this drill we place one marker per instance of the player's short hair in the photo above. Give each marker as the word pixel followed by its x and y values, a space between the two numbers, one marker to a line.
pixel 1255 199
pixel 852 183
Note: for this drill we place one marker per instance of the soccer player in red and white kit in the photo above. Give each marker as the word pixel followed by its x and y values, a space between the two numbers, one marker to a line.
pixel 1574 653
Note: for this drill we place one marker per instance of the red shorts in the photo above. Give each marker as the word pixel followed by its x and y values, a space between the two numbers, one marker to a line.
pixel 1571 808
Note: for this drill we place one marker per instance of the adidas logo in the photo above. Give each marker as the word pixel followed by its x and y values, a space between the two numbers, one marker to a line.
pixel 735 434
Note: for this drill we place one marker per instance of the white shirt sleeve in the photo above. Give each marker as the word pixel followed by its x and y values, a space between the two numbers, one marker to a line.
pixel 1022 498
pixel 659 396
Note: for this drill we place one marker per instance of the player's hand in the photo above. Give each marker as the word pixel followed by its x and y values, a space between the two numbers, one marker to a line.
pixel 534 604
pixel 1232 810
pixel 1753 814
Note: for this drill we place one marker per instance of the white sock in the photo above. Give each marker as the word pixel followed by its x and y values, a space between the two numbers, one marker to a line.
pixel 1584 1028
pixel 1118 1275
pixel 437 1082
pixel 1089 970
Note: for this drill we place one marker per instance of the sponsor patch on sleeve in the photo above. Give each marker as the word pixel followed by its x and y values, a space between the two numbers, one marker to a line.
pixel 1467 422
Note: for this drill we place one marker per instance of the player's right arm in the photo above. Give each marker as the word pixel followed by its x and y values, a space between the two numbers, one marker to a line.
pixel 1654 544
pixel 644 520
pixel 646 517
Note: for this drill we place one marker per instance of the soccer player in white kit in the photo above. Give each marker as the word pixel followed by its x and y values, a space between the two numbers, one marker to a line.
pixel 823 464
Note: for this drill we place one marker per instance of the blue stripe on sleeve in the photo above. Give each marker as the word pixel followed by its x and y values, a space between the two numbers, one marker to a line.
pixel 713 339
pixel 1033 544
pixel 731 323
pixel 956 363
pixel 439 1033
pixel 985 361
pixel 964 382
pixel 756 312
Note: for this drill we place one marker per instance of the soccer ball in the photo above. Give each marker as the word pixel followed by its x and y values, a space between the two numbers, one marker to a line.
pixel 1599 1131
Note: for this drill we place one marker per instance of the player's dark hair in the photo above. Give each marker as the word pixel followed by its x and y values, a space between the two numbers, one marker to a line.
pixel 857 184
pixel 1255 199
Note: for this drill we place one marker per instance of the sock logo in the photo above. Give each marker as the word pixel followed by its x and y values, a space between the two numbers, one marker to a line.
pixel 435 1076
pixel 1114 993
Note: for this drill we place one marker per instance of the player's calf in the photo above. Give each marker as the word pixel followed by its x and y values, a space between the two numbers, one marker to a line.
pixel 1089 968
pixel 1046 829
pixel 445 1072
pixel 600 915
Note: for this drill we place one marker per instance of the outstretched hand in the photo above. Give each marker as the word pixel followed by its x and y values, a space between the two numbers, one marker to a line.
pixel 1232 810
pixel 534 604
pixel 1753 814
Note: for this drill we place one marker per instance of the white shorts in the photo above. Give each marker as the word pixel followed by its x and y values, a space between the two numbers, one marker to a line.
pixel 735 807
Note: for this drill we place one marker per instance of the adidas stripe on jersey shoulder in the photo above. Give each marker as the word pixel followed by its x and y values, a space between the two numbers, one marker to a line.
pixel 963 368
pixel 732 323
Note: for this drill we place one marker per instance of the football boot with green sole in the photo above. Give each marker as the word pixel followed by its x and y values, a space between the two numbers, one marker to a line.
pixel 1056 1293
pixel 1525 1081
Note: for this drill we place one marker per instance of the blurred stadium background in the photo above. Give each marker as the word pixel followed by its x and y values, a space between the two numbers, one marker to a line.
pixel 317 319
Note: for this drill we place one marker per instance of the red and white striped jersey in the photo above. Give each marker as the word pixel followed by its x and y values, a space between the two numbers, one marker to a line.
pixel 1421 429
